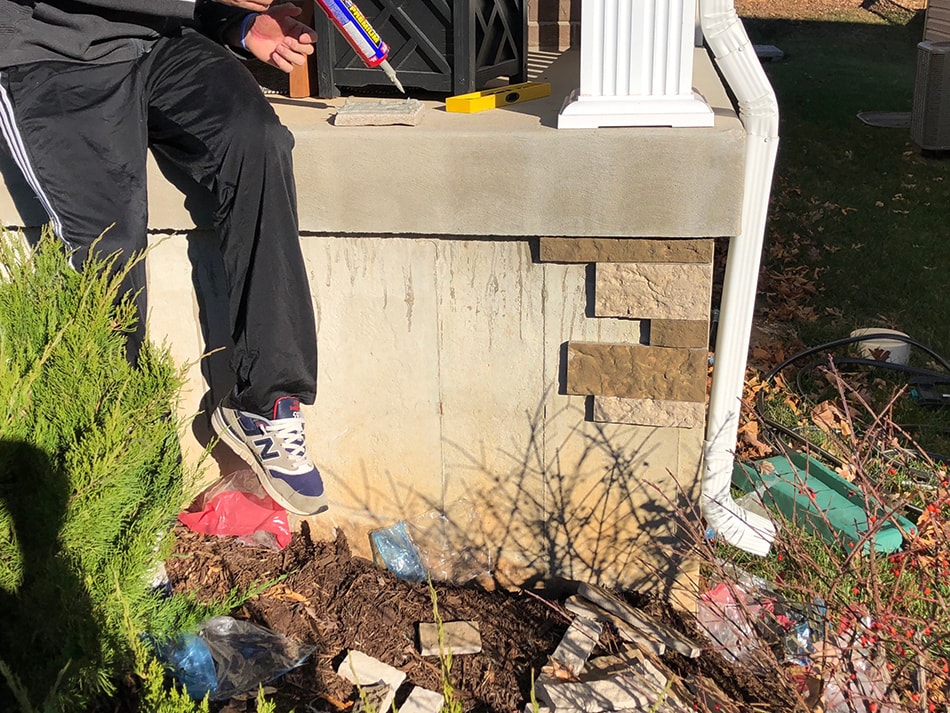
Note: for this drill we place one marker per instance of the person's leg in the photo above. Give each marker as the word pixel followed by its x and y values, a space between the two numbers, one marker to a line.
pixel 209 116
pixel 77 133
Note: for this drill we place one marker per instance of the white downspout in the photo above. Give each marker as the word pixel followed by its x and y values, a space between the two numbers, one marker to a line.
pixel 758 110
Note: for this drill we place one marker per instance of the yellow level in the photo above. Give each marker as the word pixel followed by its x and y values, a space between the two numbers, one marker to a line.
pixel 494 98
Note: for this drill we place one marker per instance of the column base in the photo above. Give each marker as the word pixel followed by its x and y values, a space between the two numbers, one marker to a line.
pixel 592 112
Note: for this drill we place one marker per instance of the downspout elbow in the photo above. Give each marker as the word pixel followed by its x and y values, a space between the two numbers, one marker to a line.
pixel 736 59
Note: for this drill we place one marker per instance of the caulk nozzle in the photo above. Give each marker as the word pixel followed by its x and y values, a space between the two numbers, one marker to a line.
pixel 391 73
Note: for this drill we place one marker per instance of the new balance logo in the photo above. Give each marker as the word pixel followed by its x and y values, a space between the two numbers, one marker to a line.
pixel 265 447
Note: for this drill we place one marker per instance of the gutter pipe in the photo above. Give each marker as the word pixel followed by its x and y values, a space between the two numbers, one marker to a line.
pixel 736 59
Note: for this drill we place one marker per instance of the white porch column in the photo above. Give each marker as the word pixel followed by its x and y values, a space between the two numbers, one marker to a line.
pixel 636 66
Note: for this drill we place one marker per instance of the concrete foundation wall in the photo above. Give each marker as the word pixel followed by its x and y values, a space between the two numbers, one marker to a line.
pixel 443 380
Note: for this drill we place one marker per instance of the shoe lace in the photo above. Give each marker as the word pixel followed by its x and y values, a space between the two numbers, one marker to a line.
pixel 290 434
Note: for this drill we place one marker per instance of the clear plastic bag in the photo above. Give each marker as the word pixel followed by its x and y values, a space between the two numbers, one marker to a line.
pixel 858 680
pixel 393 549
pixel 229 656
pixel 445 545
pixel 188 659
pixel 452 543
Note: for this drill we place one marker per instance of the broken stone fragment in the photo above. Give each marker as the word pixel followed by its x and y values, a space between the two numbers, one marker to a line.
pixel 631 659
pixel 582 607
pixel 579 640
pixel 625 691
pixel 421 700
pixel 368 673
pixel 639 620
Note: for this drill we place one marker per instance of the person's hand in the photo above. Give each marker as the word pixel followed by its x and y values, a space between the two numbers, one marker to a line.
pixel 280 40
pixel 252 5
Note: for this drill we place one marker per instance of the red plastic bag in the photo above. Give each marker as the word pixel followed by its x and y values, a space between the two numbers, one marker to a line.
pixel 237 506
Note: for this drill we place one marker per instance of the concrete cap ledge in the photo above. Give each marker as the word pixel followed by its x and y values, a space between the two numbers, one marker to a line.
pixel 504 172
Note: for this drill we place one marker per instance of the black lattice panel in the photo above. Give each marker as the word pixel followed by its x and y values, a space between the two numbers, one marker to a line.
pixel 446 46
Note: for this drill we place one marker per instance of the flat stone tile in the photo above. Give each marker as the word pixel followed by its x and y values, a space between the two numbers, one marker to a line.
pixel 579 640
pixel 459 637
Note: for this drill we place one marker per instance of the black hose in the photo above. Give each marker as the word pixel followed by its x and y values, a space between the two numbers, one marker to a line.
pixel 759 404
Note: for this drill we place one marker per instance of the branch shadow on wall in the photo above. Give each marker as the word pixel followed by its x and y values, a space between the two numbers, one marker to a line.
pixel 598 506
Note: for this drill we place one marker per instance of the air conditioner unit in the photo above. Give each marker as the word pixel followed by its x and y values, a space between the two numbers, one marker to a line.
pixel 930 114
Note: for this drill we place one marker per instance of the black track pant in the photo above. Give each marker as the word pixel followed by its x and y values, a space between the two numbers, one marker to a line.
pixel 80 132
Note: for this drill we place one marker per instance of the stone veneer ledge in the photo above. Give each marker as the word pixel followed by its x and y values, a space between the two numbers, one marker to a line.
pixel 626 250
pixel 693 333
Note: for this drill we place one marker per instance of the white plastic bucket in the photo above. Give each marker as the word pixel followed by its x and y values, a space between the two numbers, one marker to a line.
pixel 898 352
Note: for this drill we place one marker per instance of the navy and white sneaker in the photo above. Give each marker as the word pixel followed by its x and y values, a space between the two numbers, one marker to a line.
pixel 276 450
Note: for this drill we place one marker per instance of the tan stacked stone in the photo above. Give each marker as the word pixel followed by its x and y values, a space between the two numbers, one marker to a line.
pixel 645 290
pixel 693 333
pixel 554 25
pixel 649 412
pixel 635 371
pixel 688 250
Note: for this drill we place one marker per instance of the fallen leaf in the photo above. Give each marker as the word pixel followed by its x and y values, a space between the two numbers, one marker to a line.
pixel 829 419
pixel 282 591
pixel 846 472
pixel 556 669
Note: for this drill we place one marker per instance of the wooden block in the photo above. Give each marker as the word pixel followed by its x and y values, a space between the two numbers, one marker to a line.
pixel 303 79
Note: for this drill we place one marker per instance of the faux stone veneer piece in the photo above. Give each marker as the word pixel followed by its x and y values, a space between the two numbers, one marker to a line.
pixel 421 700
pixel 381 112
pixel 692 333
pixel 635 371
pixel 638 619
pixel 626 250
pixel 649 412
pixel 458 637
pixel 653 290
pixel 626 691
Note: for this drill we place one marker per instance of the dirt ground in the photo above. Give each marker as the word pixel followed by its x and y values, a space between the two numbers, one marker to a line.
pixel 328 598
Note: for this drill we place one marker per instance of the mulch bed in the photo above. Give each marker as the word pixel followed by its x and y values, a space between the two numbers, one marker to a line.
pixel 326 597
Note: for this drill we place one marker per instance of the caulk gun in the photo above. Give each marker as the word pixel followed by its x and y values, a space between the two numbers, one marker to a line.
pixel 364 40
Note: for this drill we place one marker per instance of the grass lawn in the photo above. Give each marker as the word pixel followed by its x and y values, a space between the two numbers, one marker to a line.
pixel 860 216
pixel 860 206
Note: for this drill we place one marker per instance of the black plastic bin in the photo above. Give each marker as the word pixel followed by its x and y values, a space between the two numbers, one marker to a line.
pixel 445 46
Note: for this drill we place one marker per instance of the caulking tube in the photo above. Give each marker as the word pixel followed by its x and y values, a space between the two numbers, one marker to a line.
pixel 364 40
